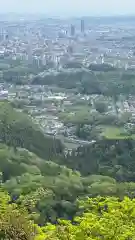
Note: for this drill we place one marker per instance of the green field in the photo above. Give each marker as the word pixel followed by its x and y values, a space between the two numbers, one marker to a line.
pixel 112 132
pixel 75 114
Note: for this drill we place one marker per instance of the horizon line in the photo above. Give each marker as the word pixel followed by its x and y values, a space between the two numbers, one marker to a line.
pixel 48 15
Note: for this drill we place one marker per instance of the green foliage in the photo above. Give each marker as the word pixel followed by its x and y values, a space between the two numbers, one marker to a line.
pixel 17 73
pixel 90 118
pixel 100 107
pixel 104 218
pixel 49 191
pixel 97 79
pixel 17 130
pixel 98 218
pixel 87 132
pixel 14 222
pixel 101 67
pixel 117 133
pixel 73 65
pixel 114 158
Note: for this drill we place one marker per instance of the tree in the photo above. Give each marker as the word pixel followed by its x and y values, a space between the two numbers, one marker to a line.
pixel 101 67
pixel 101 107
pixel 87 132
pixel 103 218
pixel 14 222
pixel 17 130
pixel 73 64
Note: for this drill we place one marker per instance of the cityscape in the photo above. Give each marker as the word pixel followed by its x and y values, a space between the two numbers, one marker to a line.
pixel 49 48
pixel 67 127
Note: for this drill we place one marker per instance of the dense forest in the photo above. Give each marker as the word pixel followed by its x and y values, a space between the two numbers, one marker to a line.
pixel 40 186
pixel 99 218
pixel 114 158
pixel 67 124
pixel 17 130
pixel 96 79
pixel 93 79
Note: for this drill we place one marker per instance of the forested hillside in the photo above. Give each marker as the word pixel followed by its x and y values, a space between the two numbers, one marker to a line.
pixel 113 158
pixel 17 130
pixel 45 186
pixel 50 191
pixel 100 218
pixel 67 122
pixel 92 80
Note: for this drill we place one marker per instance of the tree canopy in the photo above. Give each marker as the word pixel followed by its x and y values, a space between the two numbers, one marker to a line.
pixel 18 130
pixel 103 218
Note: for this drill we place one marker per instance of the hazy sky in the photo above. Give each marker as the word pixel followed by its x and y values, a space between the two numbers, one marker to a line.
pixel 69 7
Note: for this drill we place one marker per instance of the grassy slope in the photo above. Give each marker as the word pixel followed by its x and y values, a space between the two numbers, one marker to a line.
pixel 112 132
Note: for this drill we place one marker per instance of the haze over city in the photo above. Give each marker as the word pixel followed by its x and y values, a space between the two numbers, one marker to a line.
pixel 67 119
pixel 69 8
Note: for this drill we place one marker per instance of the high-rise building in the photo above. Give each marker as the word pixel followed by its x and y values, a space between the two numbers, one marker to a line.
pixel 69 49
pixel 29 53
pixel 72 30
pixel 82 26
pixel 2 35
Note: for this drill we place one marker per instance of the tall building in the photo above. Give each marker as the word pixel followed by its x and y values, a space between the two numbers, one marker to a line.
pixel 69 49
pixel 29 53
pixel 2 35
pixel 82 26
pixel 72 30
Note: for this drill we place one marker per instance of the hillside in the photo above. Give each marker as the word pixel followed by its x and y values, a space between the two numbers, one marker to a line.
pixel 17 130
pixel 52 190
pixel 114 158
pixel 45 191
pixel 48 190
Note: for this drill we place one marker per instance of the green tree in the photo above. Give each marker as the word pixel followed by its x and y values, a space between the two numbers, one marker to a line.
pixel 101 107
pixel 104 218
pixel 14 222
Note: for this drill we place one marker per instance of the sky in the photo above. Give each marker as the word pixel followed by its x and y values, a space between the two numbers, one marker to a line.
pixel 69 7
